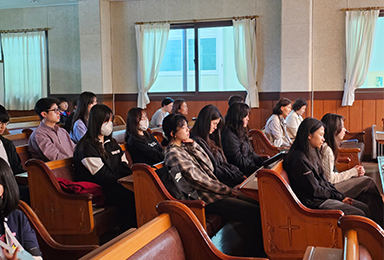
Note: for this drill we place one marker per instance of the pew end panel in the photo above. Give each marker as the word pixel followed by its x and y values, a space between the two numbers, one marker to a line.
pixel 48 246
pixel 24 154
pixel 354 135
pixel 288 226
pixel 347 158
pixel 369 234
pixel 261 144
pixel 68 217
pixel 53 205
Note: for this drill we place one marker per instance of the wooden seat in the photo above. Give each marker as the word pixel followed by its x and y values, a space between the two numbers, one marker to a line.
pixel 48 246
pixel 20 139
pixel 69 218
pixel 288 226
pixel 149 191
pixel 368 234
pixel 175 234
pixel 24 154
pixel 118 120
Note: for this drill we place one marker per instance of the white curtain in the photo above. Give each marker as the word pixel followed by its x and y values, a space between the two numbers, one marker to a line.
pixel 360 28
pixel 25 69
pixel 151 41
pixel 244 32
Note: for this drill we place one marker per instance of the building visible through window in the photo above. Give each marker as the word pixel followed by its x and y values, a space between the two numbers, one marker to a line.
pixel 214 57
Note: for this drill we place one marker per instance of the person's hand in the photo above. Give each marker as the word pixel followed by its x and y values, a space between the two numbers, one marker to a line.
pixel 348 201
pixel 188 141
pixel 9 256
pixel 360 170
pixel 235 191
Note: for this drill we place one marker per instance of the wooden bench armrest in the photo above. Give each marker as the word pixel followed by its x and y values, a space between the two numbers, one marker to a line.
pixel 343 160
pixel 349 150
pixel 355 135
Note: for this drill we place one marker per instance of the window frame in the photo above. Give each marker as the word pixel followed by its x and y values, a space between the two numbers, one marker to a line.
pixel 372 90
pixel 196 92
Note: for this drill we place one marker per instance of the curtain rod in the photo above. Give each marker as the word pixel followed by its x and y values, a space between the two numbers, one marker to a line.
pixel 24 30
pixel 363 8
pixel 203 20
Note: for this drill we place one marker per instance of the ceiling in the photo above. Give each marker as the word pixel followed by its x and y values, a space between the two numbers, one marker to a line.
pixel 7 4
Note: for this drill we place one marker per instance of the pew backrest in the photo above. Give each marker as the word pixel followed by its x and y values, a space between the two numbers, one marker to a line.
pixel 24 154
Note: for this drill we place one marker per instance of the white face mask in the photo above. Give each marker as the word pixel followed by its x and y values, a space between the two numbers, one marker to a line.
pixel 143 125
pixel 107 128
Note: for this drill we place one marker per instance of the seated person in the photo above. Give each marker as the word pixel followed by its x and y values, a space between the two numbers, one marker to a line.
pixel 15 219
pixel 306 175
pixel 275 128
pixel 98 158
pixel 351 182
pixel 207 133
pixel 180 107
pixel 142 145
pixel 236 145
pixel 235 98
pixel 80 119
pixel 187 158
pixel 161 113
pixel 49 142
pixel 295 117
pixel 7 149
pixel 63 106
pixel 68 123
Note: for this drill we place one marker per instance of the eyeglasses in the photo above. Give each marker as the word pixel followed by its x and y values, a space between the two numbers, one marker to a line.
pixel 4 124
pixel 54 110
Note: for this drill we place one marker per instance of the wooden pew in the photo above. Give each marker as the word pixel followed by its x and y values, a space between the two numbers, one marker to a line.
pixel 362 232
pixel 261 144
pixel 69 218
pixel 20 139
pixel 175 234
pixel 48 246
pixel 288 226
pixel 24 154
pixel 24 119
pixel 118 121
pixel 149 191
pixel 14 128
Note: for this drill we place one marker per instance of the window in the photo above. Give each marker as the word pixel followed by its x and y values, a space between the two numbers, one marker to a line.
pixel 375 73
pixel 208 68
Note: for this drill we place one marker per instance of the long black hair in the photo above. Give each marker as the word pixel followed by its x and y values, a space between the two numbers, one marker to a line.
pixel 98 115
pixel 133 119
pixel 203 125
pixel 172 123
pixel 333 126
pixel 234 119
pixel 4 115
pixel 10 199
pixel 308 126
pixel 82 112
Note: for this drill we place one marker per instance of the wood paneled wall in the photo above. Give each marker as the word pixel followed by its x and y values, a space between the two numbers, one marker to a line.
pixel 359 117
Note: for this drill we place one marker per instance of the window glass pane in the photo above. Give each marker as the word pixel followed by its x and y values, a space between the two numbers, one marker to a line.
pixel 191 54
pixel 216 60
pixel 375 75
pixel 174 75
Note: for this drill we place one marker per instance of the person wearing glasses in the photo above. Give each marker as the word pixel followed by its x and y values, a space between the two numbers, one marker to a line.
pixel 49 142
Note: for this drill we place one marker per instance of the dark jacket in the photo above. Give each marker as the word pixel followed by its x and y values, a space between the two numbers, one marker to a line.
pixel 13 157
pixel 68 122
pixel 239 153
pixel 91 166
pixel 227 173
pixel 19 226
pixel 308 182
pixel 145 149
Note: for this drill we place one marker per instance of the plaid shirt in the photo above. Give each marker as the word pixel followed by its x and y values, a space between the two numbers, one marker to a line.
pixel 197 169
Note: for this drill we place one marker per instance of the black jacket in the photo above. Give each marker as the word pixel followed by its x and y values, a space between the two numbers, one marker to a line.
pixel 227 173
pixel 145 150
pixel 13 157
pixel 308 182
pixel 240 154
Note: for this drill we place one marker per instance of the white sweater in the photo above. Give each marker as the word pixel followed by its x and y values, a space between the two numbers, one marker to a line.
pixel 328 163
pixel 293 122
